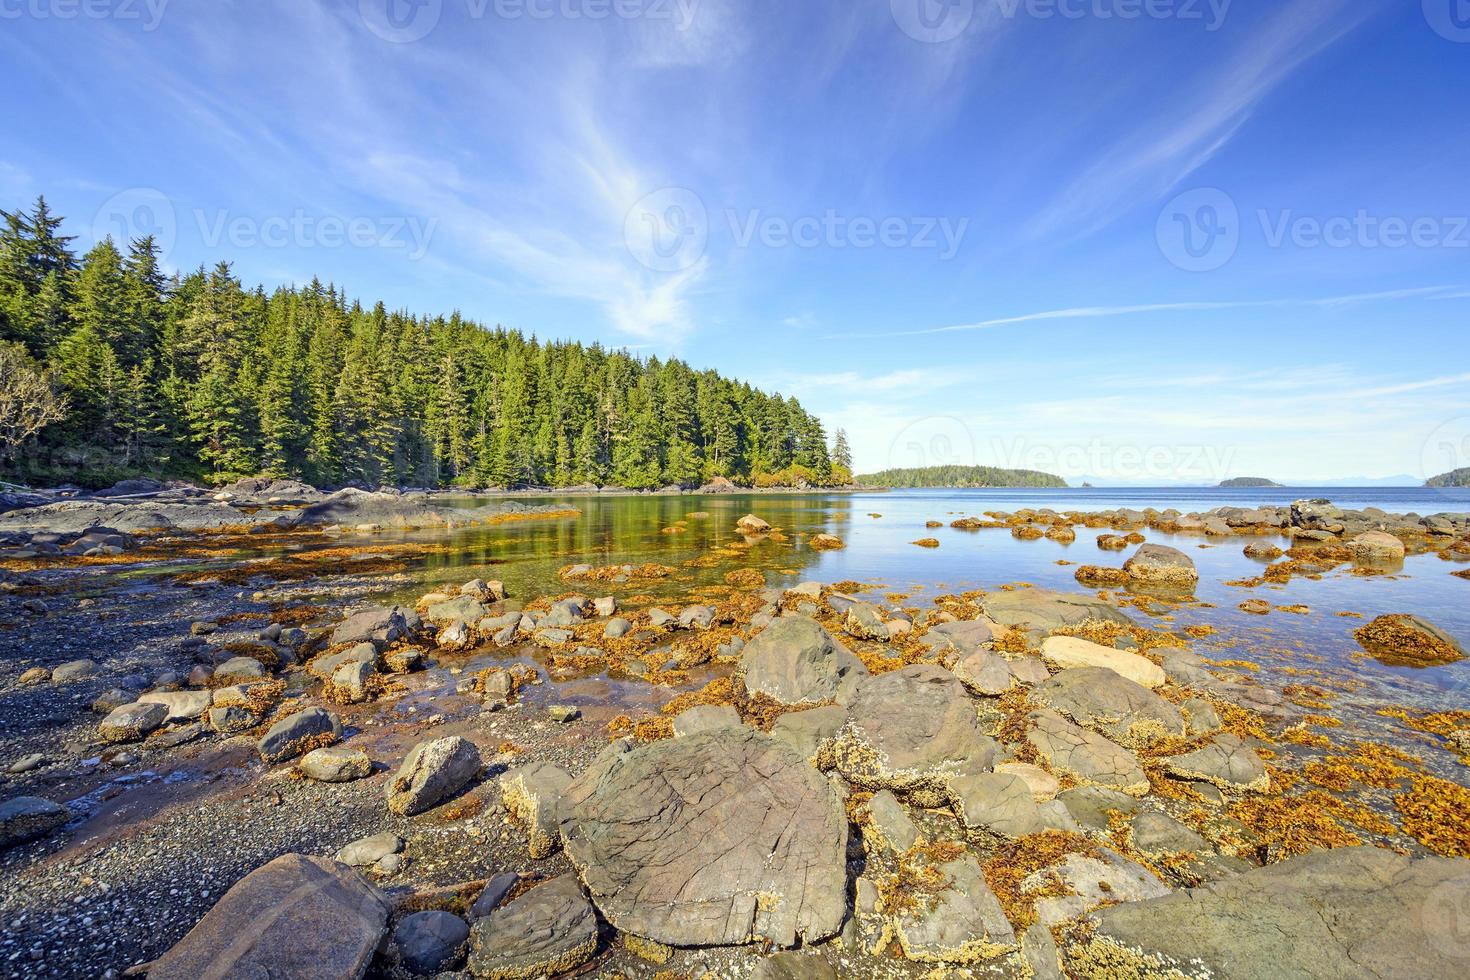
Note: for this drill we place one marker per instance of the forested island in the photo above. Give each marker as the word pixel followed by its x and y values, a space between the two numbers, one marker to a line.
pixel 109 368
pixel 1247 482
pixel 960 476
pixel 1454 478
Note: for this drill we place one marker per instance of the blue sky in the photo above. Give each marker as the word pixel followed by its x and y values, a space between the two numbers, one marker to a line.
pixel 1138 240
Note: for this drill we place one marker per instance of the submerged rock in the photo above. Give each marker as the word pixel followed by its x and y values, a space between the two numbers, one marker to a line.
pixel 722 838
pixel 1403 640
pixel 301 917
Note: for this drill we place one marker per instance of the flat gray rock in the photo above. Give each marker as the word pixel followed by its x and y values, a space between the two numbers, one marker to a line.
pixel 705 718
pixel 1088 756
pixel 998 804
pixel 547 931
pixel 806 730
pixel 531 795
pixel 301 917
pixel 1045 610
pixel 335 764
pixel 1092 882
pixel 370 850
pixel 1225 761
pixel 132 722
pixel 717 839
pixel 1350 912
pixel 299 733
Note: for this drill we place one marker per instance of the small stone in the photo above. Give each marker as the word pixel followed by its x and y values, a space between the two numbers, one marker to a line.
pixel 132 722
pixel 24 817
pixel 74 670
pixel 493 894
pixel 369 850
pixel 563 713
pixel 299 733
pixel 433 771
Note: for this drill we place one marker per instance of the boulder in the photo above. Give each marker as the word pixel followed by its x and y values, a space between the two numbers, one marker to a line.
pixel 301 917
pixel 328 664
pixel 750 524
pixel 1046 610
pixel 1225 761
pixel 531 795
pixel 865 622
pixel 793 965
pixel 965 923
pixel 352 682
pixel 464 609
pixel 24 817
pixel 132 722
pixel 1376 548
pixel 985 673
pixel 1349 912
pixel 336 764
pixel 549 930
pixel 430 942
pixel 795 661
pixel 1403 640
pixel 432 772
pixel 912 730
pixel 722 838
pixel 182 706
pixel 241 669
pixel 1089 757
pixel 380 626
pixel 1107 702
pixel 1263 550
pixel 1159 564
pixel 301 732
pixel 1062 652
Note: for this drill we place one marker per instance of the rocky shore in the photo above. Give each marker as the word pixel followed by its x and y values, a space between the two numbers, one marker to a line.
pixel 264 771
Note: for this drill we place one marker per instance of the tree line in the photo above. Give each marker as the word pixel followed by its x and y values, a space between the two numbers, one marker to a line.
pixel 198 377
pixel 961 476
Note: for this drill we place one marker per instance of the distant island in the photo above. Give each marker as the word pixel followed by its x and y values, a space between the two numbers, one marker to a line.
pixel 960 476
pixel 1245 482
pixel 1454 478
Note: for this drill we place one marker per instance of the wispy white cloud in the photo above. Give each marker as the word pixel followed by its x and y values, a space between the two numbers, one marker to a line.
pixel 1197 121
pixel 1098 312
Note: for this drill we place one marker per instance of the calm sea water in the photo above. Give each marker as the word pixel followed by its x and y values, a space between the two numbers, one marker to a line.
pixel 879 528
